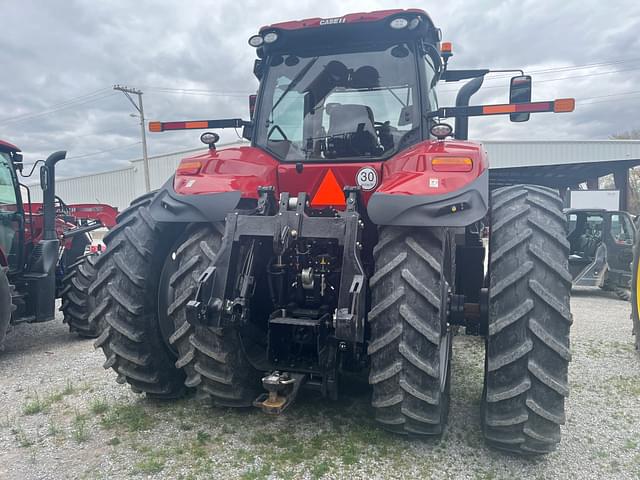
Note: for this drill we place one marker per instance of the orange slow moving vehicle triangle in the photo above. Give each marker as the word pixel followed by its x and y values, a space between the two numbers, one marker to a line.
pixel 329 193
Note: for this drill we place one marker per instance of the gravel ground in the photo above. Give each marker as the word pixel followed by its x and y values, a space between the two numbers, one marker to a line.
pixel 63 416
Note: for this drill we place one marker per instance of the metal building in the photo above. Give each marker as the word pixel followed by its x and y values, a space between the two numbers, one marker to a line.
pixel 559 164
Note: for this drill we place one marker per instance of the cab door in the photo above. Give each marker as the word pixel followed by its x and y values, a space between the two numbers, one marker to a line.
pixel 11 215
pixel 620 242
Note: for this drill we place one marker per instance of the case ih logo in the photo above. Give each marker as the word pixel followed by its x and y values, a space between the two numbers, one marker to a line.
pixel 332 21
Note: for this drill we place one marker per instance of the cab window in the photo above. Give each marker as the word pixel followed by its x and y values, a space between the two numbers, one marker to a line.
pixel 8 199
pixel 621 229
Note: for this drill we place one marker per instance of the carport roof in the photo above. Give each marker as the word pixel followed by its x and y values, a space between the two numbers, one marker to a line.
pixel 558 163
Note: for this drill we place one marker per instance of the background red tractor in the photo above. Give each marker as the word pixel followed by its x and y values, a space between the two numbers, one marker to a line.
pixel 346 238
pixel 42 248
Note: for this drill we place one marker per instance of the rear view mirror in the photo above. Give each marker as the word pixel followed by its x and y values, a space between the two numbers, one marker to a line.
pixel 520 92
pixel 252 105
pixel 258 69
pixel 18 161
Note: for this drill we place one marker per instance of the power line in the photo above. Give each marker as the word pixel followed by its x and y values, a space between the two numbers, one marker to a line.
pixel 64 102
pixel 493 87
pixel 611 95
pixel 569 68
pixel 195 91
pixel 93 154
pixel 602 101
pixel 31 116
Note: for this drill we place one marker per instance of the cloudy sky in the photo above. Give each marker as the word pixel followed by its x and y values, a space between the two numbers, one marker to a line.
pixel 61 58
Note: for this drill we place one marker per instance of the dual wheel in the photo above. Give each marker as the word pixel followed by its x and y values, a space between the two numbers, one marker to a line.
pixel 146 339
pixel 527 345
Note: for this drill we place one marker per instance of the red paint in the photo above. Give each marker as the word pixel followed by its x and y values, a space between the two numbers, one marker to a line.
pixel 409 172
pixel 329 193
pixel 34 226
pixel 233 169
pixel 105 214
pixel 313 173
pixel 350 18
pixel 6 146
pixel 534 107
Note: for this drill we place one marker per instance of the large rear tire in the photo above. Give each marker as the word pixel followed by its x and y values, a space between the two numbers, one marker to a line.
pixel 215 359
pixel 6 304
pixel 196 251
pixel 410 347
pixel 527 348
pixel 76 301
pixel 126 291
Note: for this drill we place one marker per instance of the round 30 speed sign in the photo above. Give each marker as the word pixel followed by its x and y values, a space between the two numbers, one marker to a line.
pixel 367 178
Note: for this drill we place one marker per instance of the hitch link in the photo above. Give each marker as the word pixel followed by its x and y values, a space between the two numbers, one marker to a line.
pixel 282 389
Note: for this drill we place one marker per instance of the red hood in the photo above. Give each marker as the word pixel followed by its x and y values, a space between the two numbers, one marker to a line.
pixel 8 147
pixel 349 18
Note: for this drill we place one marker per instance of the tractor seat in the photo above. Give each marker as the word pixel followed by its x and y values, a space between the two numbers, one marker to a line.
pixel 354 123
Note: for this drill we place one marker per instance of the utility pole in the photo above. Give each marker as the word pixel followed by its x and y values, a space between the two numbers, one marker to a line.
pixel 140 109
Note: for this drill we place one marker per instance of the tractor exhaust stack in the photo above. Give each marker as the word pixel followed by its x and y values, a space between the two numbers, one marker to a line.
pixel 48 185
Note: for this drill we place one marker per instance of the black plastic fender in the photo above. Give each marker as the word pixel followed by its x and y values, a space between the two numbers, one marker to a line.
pixel 169 206
pixel 455 209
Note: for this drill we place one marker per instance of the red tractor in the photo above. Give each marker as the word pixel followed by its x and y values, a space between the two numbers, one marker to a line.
pixel 42 248
pixel 346 238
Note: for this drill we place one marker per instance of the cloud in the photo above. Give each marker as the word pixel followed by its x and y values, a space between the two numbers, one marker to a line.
pixel 55 51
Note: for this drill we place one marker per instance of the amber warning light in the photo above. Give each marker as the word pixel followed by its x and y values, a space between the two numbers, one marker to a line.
pixel 561 105
pixel 197 124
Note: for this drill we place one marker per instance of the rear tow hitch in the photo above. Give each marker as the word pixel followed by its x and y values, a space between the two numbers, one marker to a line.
pixel 282 389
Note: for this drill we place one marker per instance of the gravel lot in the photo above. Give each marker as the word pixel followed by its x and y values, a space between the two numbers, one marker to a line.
pixel 63 416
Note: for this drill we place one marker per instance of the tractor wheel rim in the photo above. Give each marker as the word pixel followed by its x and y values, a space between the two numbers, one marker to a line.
pixel 445 340
pixel 166 294
pixel 445 348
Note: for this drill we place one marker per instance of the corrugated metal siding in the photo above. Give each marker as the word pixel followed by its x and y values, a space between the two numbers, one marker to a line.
pixel 504 154
pixel 161 167
pixel 120 187
pixel 115 188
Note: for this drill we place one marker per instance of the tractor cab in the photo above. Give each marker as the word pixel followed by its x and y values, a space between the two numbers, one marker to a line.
pixel 11 209
pixel 601 244
pixel 327 95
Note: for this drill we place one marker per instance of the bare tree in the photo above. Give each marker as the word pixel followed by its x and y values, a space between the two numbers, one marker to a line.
pixel 634 173
pixel 627 135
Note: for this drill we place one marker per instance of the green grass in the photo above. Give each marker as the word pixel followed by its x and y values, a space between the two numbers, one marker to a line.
pixel 114 441
pixel 98 406
pixel 37 404
pixel 628 387
pixel 254 473
pixel 131 417
pixel 53 429
pixel 320 469
pixel 150 465
pixel 22 438
pixel 202 438
pixel 69 389
pixel 79 430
